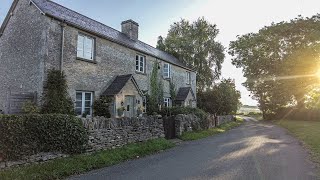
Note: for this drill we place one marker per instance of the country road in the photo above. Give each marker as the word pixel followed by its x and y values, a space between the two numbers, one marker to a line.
pixel 254 150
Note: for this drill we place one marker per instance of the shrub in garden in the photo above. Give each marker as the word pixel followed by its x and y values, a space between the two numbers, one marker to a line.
pixel 56 99
pixel 187 110
pixel 30 134
pixel 30 107
pixel 101 107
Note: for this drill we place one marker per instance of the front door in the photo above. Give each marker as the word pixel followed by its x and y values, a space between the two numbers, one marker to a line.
pixel 129 106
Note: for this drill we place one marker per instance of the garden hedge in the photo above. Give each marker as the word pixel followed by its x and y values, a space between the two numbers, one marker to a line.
pixel 30 134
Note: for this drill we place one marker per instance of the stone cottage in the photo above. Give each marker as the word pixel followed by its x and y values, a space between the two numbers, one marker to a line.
pixel 38 35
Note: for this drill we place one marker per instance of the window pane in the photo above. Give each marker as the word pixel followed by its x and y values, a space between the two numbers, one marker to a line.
pixel 79 96
pixel 80 46
pixel 137 57
pixel 88 96
pixel 78 104
pixel 88 48
pixel 87 103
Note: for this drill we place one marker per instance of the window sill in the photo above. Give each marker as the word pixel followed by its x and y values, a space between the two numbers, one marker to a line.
pixel 86 60
pixel 167 78
pixel 137 72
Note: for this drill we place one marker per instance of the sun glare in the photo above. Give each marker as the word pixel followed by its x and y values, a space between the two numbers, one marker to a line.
pixel 318 74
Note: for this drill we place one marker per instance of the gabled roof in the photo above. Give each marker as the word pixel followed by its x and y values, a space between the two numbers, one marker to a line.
pixel 183 93
pixel 82 22
pixel 118 83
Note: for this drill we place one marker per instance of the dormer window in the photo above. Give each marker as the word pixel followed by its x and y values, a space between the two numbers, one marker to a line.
pixel 85 47
pixel 166 70
pixel 140 63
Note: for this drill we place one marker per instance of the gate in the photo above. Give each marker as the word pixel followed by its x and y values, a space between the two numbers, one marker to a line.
pixel 169 127
pixel 16 101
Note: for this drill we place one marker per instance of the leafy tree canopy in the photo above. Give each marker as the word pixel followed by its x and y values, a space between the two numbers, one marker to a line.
pixel 280 62
pixel 221 99
pixel 195 44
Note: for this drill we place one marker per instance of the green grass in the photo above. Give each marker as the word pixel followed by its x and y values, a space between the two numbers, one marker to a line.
pixel 189 136
pixel 256 116
pixel 77 164
pixel 306 131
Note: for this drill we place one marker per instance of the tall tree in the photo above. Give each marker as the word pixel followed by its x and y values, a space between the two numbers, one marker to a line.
pixel 221 99
pixel 280 62
pixel 195 44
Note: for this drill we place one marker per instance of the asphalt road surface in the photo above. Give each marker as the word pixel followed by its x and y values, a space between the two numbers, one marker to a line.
pixel 254 150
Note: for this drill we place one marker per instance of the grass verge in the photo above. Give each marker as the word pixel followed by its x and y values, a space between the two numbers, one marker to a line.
pixel 189 136
pixel 306 131
pixel 77 164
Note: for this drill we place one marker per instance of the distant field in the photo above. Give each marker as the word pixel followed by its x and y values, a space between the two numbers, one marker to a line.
pixel 247 109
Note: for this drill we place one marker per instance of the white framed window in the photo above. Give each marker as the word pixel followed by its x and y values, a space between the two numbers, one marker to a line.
pixel 166 102
pixel 166 70
pixel 85 47
pixel 188 77
pixel 140 63
pixel 84 103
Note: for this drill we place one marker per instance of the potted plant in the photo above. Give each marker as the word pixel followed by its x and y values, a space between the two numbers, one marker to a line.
pixel 120 111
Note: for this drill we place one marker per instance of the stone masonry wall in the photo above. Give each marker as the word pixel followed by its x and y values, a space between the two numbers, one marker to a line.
pixel 23 48
pixel 190 122
pixel 109 133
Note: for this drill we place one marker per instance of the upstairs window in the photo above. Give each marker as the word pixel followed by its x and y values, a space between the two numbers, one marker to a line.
pixel 140 63
pixel 166 70
pixel 85 47
pixel 166 102
pixel 188 77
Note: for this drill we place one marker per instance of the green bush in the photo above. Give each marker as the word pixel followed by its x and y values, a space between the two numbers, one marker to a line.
pixel 30 107
pixel 101 107
pixel 56 99
pixel 187 110
pixel 30 134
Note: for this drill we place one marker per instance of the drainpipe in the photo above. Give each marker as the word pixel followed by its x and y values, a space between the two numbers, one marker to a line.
pixel 62 46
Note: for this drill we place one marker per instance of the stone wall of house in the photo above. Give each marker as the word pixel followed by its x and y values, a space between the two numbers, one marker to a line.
pixel 109 133
pixel 111 59
pixel 23 51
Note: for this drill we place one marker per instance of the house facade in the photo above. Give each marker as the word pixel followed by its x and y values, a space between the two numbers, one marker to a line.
pixel 39 35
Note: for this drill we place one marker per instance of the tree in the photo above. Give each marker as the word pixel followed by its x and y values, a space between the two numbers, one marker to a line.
pixel 313 99
pixel 195 44
pixel 173 92
pixel 221 99
pixel 155 99
pixel 279 62
pixel 56 99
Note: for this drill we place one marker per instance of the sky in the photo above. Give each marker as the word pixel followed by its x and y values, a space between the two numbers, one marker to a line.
pixel 233 17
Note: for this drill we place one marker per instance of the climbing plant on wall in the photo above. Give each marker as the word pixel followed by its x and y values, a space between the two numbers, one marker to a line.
pixel 155 98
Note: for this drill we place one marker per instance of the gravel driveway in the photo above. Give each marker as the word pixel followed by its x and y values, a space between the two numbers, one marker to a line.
pixel 254 150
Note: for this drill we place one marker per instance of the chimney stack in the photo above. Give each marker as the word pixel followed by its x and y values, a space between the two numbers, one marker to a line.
pixel 130 28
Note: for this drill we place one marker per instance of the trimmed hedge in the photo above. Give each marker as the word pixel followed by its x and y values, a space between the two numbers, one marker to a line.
pixel 30 134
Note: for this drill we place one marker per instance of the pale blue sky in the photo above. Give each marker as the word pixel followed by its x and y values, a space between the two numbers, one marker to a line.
pixel 232 17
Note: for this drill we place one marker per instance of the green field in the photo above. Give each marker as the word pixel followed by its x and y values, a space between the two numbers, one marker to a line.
pixel 306 131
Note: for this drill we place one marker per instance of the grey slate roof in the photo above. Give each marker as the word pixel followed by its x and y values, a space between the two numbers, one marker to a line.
pixel 183 93
pixel 80 21
pixel 118 83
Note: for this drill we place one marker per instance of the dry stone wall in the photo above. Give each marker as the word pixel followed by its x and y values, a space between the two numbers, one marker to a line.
pixel 110 133
pixel 190 122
